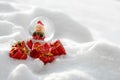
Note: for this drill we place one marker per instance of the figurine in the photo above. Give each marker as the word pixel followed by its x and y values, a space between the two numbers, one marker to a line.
pixel 39 33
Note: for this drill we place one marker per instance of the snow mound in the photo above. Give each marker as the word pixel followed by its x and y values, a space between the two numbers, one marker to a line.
pixel 105 51
pixel 36 65
pixel 69 75
pixel 101 60
pixel 21 72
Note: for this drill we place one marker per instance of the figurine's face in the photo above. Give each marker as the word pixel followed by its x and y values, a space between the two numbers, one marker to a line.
pixel 39 28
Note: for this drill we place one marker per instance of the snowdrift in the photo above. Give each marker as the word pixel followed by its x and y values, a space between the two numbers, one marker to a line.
pixel 86 59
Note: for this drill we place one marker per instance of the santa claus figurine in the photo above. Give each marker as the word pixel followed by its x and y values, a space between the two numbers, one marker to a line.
pixel 39 33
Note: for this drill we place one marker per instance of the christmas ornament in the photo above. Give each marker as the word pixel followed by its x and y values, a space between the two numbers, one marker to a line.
pixel 57 48
pixel 38 46
pixel 19 51
pixel 41 28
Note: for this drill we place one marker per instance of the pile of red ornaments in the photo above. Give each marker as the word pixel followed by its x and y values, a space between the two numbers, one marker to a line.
pixel 45 51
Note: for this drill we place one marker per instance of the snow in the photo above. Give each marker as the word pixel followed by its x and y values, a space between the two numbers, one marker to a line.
pixel 88 57
pixel 36 65
pixel 21 72
pixel 70 75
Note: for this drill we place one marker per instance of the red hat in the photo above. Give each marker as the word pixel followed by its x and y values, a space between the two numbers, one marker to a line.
pixel 40 22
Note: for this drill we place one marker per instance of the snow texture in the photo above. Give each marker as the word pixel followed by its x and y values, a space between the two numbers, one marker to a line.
pixel 86 59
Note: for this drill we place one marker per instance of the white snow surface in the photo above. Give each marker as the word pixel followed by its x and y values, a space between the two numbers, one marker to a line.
pixel 86 36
